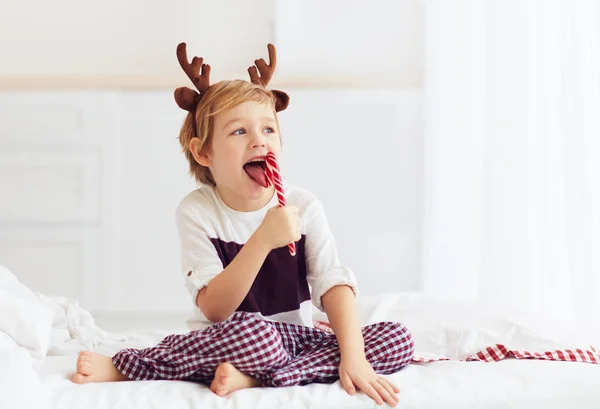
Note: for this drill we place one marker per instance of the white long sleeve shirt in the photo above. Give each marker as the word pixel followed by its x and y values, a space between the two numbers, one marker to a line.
pixel 211 234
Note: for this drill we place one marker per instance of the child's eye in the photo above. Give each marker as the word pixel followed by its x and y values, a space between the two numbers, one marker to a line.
pixel 238 132
pixel 268 129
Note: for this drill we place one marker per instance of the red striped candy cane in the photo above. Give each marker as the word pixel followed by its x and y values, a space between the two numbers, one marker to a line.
pixel 274 176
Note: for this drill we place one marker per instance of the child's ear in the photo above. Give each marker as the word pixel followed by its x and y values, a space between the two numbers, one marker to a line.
pixel 200 155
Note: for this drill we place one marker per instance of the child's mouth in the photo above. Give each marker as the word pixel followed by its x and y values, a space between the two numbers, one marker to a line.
pixel 256 170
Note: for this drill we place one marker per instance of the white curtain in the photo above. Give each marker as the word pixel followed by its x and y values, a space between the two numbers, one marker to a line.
pixel 512 154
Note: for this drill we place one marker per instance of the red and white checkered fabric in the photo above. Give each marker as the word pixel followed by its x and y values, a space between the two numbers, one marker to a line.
pixel 279 354
pixel 498 352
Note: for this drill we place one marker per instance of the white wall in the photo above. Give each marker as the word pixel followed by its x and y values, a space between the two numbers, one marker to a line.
pixel 360 152
pixel 91 172
pixel 351 42
pixel 84 38
pixel 366 171
pixel 132 43
pixel 89 182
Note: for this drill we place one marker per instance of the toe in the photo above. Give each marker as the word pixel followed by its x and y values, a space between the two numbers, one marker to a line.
pixel 83 357
pixel 80 378
pixel 84 368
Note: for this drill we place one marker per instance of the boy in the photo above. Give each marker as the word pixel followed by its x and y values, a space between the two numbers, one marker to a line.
pixel 253 321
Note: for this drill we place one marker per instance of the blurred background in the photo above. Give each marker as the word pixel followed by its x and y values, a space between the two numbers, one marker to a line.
pixel 454 143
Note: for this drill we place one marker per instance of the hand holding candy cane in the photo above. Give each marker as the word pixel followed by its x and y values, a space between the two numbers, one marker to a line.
pixel 274 177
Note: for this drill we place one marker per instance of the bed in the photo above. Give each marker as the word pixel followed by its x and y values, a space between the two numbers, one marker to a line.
pixel 41 337
pixel 507 384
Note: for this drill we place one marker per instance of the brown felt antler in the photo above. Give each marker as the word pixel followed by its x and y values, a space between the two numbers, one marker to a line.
pixel 199 74
pixel 185 97
pixel 266 73
pixel 266 70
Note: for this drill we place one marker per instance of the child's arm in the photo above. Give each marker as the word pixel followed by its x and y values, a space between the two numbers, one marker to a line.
pixel 222 290
pixel 355 371
pixel 340 306
pixel 334 292
pixel 224 293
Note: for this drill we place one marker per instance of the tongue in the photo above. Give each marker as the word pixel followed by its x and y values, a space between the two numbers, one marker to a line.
pixel 257 173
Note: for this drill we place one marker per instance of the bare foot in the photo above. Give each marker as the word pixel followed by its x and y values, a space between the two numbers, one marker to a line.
pixel 228 379
pixel 92 367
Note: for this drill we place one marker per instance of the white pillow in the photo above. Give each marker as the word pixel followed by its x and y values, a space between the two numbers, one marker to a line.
pixel 6 342
pixel 24 314
pixel 27 322
pixel 11 284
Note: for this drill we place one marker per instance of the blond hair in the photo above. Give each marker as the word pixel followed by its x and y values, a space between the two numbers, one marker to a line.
pixel 219 97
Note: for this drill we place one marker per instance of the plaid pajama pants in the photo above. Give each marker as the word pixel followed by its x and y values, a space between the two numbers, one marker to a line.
pixel 277 353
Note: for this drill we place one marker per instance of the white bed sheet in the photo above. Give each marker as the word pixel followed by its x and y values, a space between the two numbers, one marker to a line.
pixel 440 328
pixel 526 384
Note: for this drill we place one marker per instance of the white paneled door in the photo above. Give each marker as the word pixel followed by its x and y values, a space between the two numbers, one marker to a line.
pixel 56 156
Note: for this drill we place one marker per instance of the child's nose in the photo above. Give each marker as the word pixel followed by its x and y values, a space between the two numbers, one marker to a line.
pixel 257 140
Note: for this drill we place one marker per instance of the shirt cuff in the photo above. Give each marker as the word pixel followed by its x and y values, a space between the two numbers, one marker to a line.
pixel 326 281
pixel 196 279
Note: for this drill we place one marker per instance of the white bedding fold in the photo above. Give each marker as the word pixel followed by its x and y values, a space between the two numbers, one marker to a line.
pixel 459 330
pixel 47 325
pixel 74 329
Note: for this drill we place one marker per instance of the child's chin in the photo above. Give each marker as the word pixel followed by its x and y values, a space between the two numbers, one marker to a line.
pixel 256 191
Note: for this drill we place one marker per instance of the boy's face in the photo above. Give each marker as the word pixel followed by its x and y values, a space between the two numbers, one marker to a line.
pixel 242 134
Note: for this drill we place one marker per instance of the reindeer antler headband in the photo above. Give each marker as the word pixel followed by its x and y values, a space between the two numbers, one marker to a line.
pixel 199 74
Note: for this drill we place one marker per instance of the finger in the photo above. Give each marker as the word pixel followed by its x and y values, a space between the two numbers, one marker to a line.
pixel 394 387
pixel 369 390
pixel 347 383
pixel 295 227
pixel 383 392
pixel 293 209
pixel 389 388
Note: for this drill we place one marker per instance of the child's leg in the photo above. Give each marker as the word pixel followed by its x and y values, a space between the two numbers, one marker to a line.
pixel 389 346
pixel 315 354
pixel 248 344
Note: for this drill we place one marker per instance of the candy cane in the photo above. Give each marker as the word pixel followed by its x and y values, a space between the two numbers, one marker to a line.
pixel 274 176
